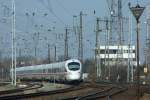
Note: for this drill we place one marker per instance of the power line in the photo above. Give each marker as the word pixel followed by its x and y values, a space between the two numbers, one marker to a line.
pixel 108 5
pixel 61 5
pixel 49 7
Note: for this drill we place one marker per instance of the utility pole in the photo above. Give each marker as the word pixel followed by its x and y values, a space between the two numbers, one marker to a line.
pixel 129 57
pixel 137 12
pixel 13 68
pixel 80 49
pixel 55 53
pixel 66 44
pixel 20 56
pixel 115 7
pixel 108 43
pixel 112 8
pixel 120 30
pixel 75 24
pixel 36 40
pixel 97 49
pixel 49 54
pixel 119 39
pixel 130 50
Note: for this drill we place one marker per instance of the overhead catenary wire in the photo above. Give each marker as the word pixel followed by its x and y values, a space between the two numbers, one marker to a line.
pixel 62 6
pixel 108 5
pixel 49 7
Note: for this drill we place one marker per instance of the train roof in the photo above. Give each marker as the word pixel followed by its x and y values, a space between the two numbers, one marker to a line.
pixel 45 66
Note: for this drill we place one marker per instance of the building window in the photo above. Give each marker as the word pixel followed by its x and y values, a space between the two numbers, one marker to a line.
pixel 102 51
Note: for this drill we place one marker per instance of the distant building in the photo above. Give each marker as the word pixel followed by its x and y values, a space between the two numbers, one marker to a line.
pixel 125 53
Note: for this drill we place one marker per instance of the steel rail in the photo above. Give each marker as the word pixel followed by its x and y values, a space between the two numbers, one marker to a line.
pixel 43 93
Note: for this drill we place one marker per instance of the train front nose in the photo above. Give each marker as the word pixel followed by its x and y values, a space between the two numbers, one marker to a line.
pixel 73 76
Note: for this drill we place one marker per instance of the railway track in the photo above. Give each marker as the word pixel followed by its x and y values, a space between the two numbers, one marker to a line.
pixel 75 92
pixel 13 90
pixel 19 90
pixel 22 96
pixel 104 93
pixel 88 91
pixel 3 84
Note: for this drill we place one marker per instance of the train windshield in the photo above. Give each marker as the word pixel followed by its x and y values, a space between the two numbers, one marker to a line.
pixel 74 66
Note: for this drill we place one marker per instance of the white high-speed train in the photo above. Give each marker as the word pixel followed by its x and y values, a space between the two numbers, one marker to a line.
pixel 70 70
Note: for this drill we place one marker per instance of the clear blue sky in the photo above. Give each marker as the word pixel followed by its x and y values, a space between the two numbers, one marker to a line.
pixel 40 15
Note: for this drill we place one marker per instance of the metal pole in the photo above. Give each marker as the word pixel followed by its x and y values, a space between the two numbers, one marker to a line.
pixel 128 69
pixel 35 52
pixel 137 12
pixel 12 66
pixel 55 53
pixel 80 50
pixel 97 50
pixel 13 46
pixel 49 54
pixel 96 47
pixel 138 67
pixel 147 36
pixel 81 14
pixel 15 43
pixel 108 43
pixel 66 44
pixel 130 30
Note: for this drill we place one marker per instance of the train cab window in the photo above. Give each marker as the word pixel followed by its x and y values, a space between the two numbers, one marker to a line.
pixel 74 66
